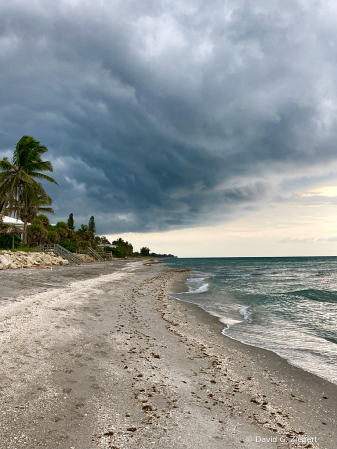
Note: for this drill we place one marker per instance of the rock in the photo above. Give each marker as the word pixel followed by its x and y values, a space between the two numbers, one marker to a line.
pixel 4 261
pixel 86 258
pixel 14 260
pixel 14 266
pixel 29 261
pixel 18 259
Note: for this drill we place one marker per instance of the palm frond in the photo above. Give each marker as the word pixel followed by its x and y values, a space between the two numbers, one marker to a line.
pixel 41 166
pixel 5 165
pixel 43 176
pixel 48 210
pixel 29 180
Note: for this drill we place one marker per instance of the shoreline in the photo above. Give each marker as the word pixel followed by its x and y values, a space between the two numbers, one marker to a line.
pixel 215 324
pixel 101 356
pixel 215 321
pixel 320 393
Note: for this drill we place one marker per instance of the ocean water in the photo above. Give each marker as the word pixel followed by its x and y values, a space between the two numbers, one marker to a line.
pixel 285 305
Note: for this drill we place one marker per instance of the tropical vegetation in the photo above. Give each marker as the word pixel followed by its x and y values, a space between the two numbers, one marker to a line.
pixel 22 196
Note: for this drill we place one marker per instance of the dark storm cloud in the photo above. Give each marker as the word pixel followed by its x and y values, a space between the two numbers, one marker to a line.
pixel 164 114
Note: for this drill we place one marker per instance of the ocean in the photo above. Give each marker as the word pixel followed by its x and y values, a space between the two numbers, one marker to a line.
pixel 287 305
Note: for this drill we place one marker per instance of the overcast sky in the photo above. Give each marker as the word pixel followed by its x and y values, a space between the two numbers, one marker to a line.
pixel 199 128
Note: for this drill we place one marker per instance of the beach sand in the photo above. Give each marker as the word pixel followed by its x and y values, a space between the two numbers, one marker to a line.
pixel 100 356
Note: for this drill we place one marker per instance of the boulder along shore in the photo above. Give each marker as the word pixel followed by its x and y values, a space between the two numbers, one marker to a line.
pixel 23 259
pixel 98 356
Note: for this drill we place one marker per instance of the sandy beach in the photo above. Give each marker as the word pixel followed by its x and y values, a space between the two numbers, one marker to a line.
pixel 99 356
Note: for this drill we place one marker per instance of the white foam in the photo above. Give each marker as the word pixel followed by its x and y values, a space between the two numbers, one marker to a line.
pixel 246 314
pixel 227 321
pixel 203 288
pixel 196 279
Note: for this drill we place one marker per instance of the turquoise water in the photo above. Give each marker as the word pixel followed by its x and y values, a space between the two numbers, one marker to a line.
pixel 286 305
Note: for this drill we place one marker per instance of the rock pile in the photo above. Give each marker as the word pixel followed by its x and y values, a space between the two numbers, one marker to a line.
pixel 86 258
pixel 19 259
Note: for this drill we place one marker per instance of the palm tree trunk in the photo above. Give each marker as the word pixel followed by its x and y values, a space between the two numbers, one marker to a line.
pixel 25 231
pixel 2 213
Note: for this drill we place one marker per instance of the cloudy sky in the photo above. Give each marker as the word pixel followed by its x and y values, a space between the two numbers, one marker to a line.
pixel 198 128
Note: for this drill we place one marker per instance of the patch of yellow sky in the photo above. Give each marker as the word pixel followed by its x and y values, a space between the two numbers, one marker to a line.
pixel 329 191
pixel 299 226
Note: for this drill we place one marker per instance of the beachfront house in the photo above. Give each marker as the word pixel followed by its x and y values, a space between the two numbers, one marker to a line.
pixel 14 221
pixel 106 245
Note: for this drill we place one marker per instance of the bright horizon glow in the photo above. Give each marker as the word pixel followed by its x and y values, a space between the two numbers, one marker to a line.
pixel 297 227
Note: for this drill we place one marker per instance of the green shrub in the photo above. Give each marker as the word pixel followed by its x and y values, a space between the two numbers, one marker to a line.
pixel 44 219
pixel 53 237
pixel 117 253
pixel 37 234
pixel 62 232
pixel 145 251
pixel 69 246
pixel 27 249
pixel 36 222
pixel 6 241
pixel 62 224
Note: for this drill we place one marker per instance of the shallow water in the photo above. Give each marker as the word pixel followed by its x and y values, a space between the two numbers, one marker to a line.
pixel 286 305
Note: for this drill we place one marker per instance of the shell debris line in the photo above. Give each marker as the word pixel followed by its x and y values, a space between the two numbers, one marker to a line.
pixel 22 259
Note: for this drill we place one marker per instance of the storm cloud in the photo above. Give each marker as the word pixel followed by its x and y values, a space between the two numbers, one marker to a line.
pixel 169 114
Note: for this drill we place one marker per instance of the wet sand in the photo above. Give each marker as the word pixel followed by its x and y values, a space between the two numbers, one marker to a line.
pixel 99 356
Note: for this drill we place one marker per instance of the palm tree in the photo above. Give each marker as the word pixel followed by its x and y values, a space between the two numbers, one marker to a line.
pixel 28 210
pixel 19 188
pixel 2 203
pixel 31 205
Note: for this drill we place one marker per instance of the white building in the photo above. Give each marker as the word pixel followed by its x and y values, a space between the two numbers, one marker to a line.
pixel 10 220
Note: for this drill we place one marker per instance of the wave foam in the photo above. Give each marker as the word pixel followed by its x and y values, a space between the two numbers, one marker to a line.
pixel 244 311
pixel 202 289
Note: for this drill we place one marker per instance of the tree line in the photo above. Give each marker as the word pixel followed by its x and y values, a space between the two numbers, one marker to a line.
pixel 22 196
